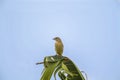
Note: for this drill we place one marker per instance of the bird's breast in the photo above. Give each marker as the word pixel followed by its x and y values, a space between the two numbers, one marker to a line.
pixel 59 47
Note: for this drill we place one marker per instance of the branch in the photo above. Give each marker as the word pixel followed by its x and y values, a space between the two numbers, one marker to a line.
pixel 39 63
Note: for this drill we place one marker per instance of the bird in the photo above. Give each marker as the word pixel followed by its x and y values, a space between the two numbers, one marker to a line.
pixel 58 46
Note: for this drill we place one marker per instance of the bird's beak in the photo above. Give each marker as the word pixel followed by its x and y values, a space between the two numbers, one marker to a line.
pixel 53 38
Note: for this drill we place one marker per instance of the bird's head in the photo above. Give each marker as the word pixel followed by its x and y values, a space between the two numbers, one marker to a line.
pixel 57 39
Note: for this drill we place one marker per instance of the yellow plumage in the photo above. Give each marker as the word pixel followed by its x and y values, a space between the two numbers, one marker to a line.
pixel 58 46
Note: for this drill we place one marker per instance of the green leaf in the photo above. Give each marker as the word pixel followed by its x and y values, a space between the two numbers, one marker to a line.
pixel 49 69
pixel 65 68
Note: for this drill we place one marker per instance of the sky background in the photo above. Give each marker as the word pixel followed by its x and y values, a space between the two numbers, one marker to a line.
pixel 89 29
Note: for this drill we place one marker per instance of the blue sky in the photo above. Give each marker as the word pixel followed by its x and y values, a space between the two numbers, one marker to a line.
pixel 90 30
